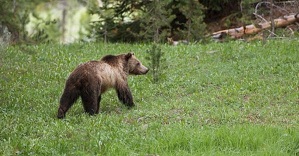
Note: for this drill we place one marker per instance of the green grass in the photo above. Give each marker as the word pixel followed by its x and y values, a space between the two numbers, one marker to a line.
pixel 231 98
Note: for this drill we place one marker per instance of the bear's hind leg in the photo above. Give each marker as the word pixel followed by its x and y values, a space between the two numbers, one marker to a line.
pixel 91 100
pixel 67 99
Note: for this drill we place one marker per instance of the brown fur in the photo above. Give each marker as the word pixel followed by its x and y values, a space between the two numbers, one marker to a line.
pixel 90 80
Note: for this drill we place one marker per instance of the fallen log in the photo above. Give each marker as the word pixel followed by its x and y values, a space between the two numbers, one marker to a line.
pixel 255 28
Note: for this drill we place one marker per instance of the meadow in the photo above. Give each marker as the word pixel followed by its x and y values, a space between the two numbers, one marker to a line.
pixel 233 98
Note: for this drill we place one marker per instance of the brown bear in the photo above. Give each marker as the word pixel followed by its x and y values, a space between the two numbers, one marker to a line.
pixel 90 80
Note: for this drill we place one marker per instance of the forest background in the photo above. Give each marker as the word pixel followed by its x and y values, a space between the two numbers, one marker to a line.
pixel 68 21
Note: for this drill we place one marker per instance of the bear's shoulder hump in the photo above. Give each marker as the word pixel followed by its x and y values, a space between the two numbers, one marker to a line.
pixel 110 59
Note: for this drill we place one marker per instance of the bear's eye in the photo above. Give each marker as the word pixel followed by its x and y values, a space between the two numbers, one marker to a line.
pixel 138 64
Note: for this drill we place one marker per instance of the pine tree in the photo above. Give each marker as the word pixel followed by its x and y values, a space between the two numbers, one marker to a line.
pixel 155 25
pixel 155 21
pixel 156 62
pixel 195 27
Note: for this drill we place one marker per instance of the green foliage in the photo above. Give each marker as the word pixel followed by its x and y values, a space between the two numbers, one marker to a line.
pixel 195 26
pixel 155 22
pixel 15 16
pixel 115 23
pixel 46 25
pixel 104 27
pixel 156 62
pixel 9 19
pixel 42 18
pixel 235 98
pixel 121 21
pixel 148 20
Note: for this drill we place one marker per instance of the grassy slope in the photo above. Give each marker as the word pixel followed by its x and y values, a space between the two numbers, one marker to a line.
pixel 233 98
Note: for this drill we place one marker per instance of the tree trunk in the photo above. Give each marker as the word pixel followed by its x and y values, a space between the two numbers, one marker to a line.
pixel 63 21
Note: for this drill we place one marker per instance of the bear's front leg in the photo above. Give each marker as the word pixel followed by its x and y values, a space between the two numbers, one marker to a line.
pixel 124 95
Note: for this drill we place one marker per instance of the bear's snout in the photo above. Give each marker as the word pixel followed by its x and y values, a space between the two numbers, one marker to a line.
pixel 140 71
pixel 144 70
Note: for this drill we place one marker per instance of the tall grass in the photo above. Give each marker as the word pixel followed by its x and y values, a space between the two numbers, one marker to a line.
pixel 231 98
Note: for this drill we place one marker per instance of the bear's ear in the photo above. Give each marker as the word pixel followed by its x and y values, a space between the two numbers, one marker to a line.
pixel 129 55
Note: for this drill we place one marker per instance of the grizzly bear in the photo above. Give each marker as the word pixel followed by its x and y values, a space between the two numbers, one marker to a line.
pixel 91 79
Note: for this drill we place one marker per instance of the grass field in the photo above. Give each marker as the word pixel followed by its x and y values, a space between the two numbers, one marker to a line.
pixel 232 98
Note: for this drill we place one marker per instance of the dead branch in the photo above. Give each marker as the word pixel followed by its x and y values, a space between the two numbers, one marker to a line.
pixel 255 28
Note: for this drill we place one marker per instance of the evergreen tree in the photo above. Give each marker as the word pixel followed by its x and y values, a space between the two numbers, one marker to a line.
pixel 156 60
pixel 115 21
pixel 155 21
pixel 194 26
pixel 105 26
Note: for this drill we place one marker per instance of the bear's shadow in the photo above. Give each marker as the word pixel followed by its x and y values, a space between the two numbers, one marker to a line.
pixel 112 109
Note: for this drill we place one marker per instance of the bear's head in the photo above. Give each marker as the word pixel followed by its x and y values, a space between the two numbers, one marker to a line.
pixel 134 65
